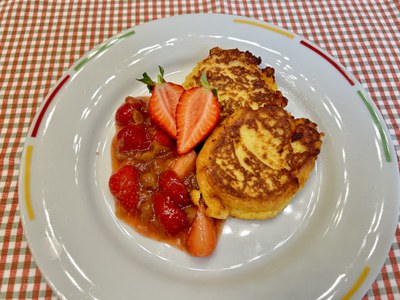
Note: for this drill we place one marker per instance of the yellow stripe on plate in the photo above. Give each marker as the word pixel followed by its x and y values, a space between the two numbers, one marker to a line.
pixel 271 28
pixel 27 182
pixel 357 284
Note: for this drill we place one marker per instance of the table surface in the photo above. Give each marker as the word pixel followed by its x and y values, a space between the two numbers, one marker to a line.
pixel 40 40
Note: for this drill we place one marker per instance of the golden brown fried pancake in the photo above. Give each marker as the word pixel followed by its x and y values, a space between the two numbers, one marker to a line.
pixel 255 161
pixel 238 79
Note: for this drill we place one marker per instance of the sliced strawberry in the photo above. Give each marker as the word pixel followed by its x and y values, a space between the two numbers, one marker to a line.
pixel 171 217
pixel 163 101
pixel 172 186
pixel 185 164
pixel 124 185
pixel 133 137
pixel 197 114
pixel 202 236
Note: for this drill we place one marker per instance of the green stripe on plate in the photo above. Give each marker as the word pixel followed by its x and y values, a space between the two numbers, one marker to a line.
pixel 374 115
pixel 102 48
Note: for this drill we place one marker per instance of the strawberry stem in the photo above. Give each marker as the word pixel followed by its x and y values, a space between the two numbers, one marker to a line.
pixel 147 81
pixel 150 82
pixel 160 77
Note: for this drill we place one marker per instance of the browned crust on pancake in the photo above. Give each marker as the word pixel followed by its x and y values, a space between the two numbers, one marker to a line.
pixel 255 161
pixel 238 79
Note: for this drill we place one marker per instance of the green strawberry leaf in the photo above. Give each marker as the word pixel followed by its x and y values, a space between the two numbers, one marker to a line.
pixel 204 83
pixel 150 82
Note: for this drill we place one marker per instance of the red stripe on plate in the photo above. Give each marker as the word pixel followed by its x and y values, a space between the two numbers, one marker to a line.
pixel 46 105
pixel 332 62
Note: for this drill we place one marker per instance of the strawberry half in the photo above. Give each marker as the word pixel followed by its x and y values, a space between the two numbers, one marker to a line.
pixel 163 101
pixel 197 113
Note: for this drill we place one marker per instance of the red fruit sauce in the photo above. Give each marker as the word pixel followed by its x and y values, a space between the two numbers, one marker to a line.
pixel 142 144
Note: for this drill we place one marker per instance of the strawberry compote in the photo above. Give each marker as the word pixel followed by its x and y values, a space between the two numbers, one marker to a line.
pixel 150 184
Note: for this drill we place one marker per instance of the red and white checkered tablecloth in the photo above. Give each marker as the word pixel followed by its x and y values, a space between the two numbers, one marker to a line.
pixel 40 40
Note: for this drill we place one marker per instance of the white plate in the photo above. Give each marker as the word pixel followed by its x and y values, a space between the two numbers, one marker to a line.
pixel 330 242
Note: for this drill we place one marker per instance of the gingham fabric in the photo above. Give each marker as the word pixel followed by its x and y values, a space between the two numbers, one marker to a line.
pixel 40 40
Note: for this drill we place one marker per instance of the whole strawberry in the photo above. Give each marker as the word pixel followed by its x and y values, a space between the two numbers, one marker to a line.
pixel 123 116
pixel 133 137
pixel 172 186
pixel 124 185
pixel 173 219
